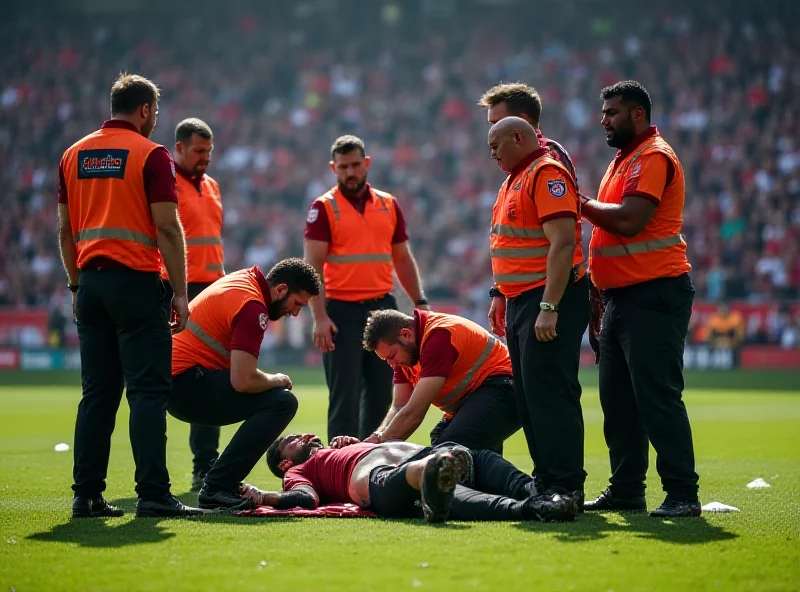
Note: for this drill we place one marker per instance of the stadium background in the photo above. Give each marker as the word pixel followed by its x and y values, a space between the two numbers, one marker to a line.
pixel 278 83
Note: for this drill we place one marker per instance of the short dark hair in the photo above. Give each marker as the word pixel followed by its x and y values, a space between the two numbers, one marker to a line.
pixel 188 127
pixel 520 99
pixel 298 275
pixel 274 458
pixel 385 325
pixel 346 144
pixel 131 91
pixel 632 94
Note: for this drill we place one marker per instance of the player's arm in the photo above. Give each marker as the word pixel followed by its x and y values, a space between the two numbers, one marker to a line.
pixel 413 412
pixel 640 198
pixel 300 496
pixel 66 241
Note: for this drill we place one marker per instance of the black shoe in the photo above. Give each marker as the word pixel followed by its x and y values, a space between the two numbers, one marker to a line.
pixel 94 507
pixel 165 507
pixel 439 479
pixel 550 507
pixel 607 501
pixel 210 499
pixel 465 469
pixel 198 478
pixel 677 509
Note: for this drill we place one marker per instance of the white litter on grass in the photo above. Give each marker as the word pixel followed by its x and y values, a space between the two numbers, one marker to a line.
pixel 719 508
pixel 62 447
pixel 758 484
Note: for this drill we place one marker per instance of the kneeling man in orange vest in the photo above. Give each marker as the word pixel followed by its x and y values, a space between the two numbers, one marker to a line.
pixel 215 375
pixel 449 362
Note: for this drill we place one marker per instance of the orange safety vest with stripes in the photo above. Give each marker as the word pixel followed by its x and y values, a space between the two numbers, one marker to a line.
pixel 518 244
pixel 200 211
pixel 659 250
pixel 108 207
pixel 359 263
pixel 206 341
pixel 480 355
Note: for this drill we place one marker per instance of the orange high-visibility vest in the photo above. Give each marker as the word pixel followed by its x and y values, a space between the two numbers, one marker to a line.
pixel 206 341
pixel 518 244
pixel 108 207
pixel 659 250
pixel 480 355
pixel 200 212
pixel 359 264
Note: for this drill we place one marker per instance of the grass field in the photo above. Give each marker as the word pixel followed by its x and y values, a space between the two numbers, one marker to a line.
pixel 739 436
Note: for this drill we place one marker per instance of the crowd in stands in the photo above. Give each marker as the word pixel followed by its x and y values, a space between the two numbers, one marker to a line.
pixel 277 92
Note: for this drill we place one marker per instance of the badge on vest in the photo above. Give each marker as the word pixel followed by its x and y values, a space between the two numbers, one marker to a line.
pixel 557 187
pixel 102 164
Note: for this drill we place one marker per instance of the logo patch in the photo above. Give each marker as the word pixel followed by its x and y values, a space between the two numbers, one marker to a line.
pixel 557 187
pixel 313 214
pixel 511 211
pixel 172 168
pixel 636 169
pixel 262 321
pixel 102 164
pixel 518 185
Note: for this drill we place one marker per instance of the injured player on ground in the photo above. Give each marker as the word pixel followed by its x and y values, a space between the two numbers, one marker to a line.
pixel 405 480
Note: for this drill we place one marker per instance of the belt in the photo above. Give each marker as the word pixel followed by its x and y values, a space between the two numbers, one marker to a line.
pixel 367 301
pixel 102 263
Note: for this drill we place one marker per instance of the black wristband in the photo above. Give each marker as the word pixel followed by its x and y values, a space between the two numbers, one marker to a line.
pixel 495 293
pixel 73 288
pixel 295 499
pixel 422 301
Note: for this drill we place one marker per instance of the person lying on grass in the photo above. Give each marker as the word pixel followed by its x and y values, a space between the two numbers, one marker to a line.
pixel 405 480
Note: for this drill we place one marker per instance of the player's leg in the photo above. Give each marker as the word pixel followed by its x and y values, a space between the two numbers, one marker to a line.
pixel 344 368
pixel 494 474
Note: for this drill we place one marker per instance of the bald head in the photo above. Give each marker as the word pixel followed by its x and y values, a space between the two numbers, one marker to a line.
pixel 511 139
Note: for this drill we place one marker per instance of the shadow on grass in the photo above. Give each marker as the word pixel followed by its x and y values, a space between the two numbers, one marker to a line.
pixel 591 526
pixel 102 532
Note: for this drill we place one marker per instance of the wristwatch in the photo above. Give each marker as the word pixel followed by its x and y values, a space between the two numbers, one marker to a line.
pixel 494 292
pixel 421 302
pixel 548 307
pixel 73 288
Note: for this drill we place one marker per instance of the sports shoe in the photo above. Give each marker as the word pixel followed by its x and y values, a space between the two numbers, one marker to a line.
pixel 550 507
pixel 672 508
pixel 166 507
pixel 439 479
pixel 94 507
pixel 210 499
pixel 607 501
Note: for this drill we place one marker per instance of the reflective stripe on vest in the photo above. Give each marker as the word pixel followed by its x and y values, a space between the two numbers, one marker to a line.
pixel 115 233
pixel 637 248
pixel 518 278
pixel 521 253
pixel 203 241
pixel 334 205
pixel 458 390
pixel 515 232
pixel 361 258
pixel 215 267
pixel 200 333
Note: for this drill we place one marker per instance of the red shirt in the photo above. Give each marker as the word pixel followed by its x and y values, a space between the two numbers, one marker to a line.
pixel 558 152
pixel 328 471
pixel 318 227
pixel 248 331
pixel 438 355
pixel 159 172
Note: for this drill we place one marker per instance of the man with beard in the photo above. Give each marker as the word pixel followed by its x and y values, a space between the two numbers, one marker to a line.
pixel 638 259
pixel 200 211
pixel 449 362
pixel 216 380
pixel 404 480
pixel 542 304
pixel 355 238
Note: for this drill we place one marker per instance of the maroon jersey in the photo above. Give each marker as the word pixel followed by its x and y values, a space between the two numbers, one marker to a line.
pixel 328 471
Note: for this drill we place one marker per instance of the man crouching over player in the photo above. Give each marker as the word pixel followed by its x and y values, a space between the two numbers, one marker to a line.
pixel 390 478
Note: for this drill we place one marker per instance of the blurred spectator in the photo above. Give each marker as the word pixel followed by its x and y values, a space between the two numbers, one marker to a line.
pixel 725 328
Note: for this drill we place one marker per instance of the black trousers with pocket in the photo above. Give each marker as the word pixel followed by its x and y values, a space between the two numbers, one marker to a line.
pixel 547 386
pixel 206 397
pixel 359 382
pixel 125 343
pixel 641 386
pixel 486 419
pixel 203 440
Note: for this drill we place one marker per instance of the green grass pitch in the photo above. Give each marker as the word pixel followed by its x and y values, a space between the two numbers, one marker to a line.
pixel 739 435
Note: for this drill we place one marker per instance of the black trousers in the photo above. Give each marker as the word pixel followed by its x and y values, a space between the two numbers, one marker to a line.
pixel 486 419
pixel 547 386
pixel 124 340
pixel 203 440
pixel 496 493
pixel 359 382
pixel 641 385
pixel 206 397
